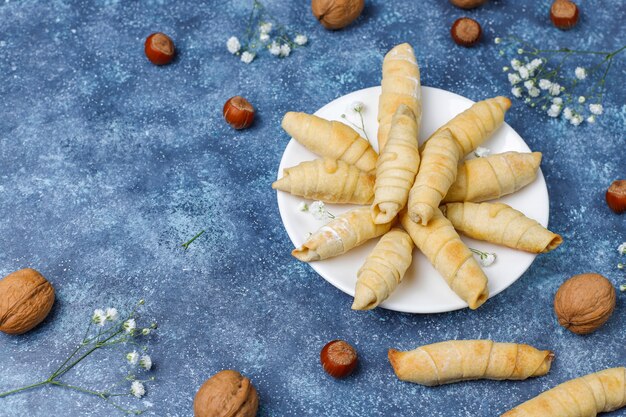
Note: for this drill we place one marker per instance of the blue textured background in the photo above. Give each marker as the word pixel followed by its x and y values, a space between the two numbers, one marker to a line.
pixel 108 164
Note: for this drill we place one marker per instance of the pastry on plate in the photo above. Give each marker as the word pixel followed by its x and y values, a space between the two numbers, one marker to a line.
pixel 341 234
pixel 463 360
pixel 501 224
pixel 396 168
pixel 383 269
pixel 328 180
pixel 331 139
pixel 443 247
pixel 493 176
pixel 400 85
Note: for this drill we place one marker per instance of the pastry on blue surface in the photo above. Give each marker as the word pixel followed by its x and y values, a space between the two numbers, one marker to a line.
pixel 464 360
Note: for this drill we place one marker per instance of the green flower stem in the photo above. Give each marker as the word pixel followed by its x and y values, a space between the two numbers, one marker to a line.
pixel 97 346
pixel 190 241
pixel 15 391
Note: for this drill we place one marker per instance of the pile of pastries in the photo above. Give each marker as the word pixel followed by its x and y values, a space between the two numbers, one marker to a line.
pixel 413 196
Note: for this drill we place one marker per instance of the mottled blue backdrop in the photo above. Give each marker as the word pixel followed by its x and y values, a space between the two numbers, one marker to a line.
pixel 108 163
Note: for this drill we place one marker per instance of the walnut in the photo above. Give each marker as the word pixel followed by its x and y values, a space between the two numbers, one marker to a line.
pixel 26 298
pixel 337 14
pixel 468 4
pixel 226 394
pixel 584 302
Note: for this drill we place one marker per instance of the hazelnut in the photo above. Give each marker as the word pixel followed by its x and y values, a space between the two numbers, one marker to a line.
pixel 468 4
pixel 159 48
pixel 564 14
pixel 337 14
pixel 584 302
pixel 338 358
pixel 226 394
pixel 26 298
pixel 466 31
pixel 616 196
pixel 238 112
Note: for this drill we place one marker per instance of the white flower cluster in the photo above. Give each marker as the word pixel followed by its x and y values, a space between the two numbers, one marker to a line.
pixel 317 209
pixel 101 317
pixel 281 46
pixel 481 152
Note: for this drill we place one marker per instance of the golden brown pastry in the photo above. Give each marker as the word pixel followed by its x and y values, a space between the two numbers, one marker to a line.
pixel 493 176
pixel 383 269
pixel 329 181
pixel 586 396
pixel 341 234
pixel 451 258
pixel 396 168
pixel 468 130
pixel 501 224
pixel 331 139
pixel 400 85
pixel 464 360
pixel 440 159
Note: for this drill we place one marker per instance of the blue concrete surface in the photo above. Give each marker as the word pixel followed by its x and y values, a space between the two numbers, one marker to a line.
pixel 108 164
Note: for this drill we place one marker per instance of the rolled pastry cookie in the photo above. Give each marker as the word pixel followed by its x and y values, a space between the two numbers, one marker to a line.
pixel 464 360
pixel 383 269
pixel 331 139
pixel 493 176
pixel 501 224
pixel 341 234
pixel 396 168
pixel 586 396
pixel 400 85
pixel 329 181
pixel 440 160
pixel 451 258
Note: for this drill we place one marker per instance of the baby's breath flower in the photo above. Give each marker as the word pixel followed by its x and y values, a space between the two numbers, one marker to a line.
pixel 304 207
pixel 529 84
pixel 554 110
pixel 318 210
pixel 497 41
pixel 536 63
pixel 555 89
pixel 264 37
pixel 233 45
pixel 505 69
pixel 146 331
pixel 557 100
pixel 596 109
pixel 622 248
pixel 482 152
pixel 524 73
pixel 568 113
pixel 99 317
pixel 514 78
pixel 622 288
pixel 265 27
pixel 488 260
pixel 520 51
pixel 534 92
pixel 145 362
pixel 581 99
pixel 132 357
pixel 544 84
pixel 580 73
pixel 516 91
pixel 620 266
pixel 129 326
pixel 301 40
pixel 137 389
pixel 591 119
pixel 576 120
pixel 274 48
pixel 357 106
pixel 516 64
pixel 247 57
pixel 285 50
pixel 111 314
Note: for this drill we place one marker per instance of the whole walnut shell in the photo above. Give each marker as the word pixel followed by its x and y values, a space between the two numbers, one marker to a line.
pixel 584 302
pixel 337 14
pixel 26 298
pixel 226 394
pixel 468 4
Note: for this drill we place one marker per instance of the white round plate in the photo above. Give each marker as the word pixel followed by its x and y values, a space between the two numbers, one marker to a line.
pixel 422 290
